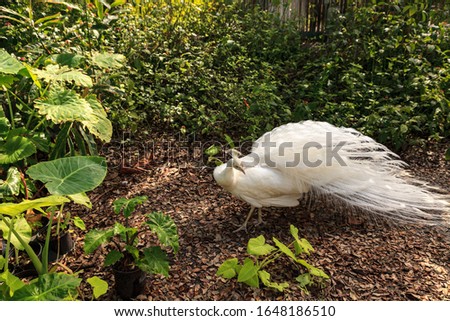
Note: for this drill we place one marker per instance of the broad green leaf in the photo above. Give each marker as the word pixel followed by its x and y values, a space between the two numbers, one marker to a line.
pixel 264 276
pixel 15 149
pixel 28 71
pixel 98 123
pixel 108 60
pixel 68 59
pixel 165 229
pixel 154 261
pixel 49 287
pixel 248 272
pixel 21 226
pixel 13 209
pixel 70 175
pixel 283 248
pixel 78 222
pixel 117 3
pixel 99 286
pixel 11 281
pixel 4 126
pixel 9 64
pixel 64 73
pixel 7 80
pixel 64 105
pixel 112 257
pixel 11 186
pixel 258 246
pixel 94 238
pixel 228 268
pixel 127 206
pixel 81 198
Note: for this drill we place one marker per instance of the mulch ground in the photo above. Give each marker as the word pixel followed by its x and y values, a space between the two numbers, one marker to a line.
pixel 366 259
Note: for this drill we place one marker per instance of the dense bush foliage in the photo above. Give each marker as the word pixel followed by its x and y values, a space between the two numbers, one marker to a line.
pixel 219 67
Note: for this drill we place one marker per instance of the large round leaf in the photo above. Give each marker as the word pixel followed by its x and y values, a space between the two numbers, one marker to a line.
pixel 70 175
pixel 15 149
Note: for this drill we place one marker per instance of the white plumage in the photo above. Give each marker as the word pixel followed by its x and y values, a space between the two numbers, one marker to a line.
pixel 319 158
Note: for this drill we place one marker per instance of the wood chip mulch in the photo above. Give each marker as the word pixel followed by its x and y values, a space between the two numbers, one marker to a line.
pixel 366 259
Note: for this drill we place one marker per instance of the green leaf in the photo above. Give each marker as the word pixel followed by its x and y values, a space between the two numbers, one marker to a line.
pixel 78 222
pixel 301 246
pixel 4 125
pixel 249 273
pixel 318 272
pixel 154 261
pixel 2 263
pixel 283 248
pixel 64 73
pixel 304 280
pixel 212 150
pixel 68 59
pixel 227 269
pixel 81 198
pixel 70 175
pixel 10 186
pixel 21 226
pixel 98 123
pixel 108 60
pixel 133 251
pixel 13 209
pixel 264 276
pixel 49 287
pixel 9 64
pixel 447 155
pixel 128 205
pixel 99 286
pixel 165 229
pixel 64 105
pixel 94 238
pixel 7 80
pixel 15 149
pixel 258 246
pixel 11 281
pixel 112 257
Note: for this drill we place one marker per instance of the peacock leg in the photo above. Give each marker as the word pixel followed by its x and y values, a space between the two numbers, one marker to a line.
pixel 244 226
pixel 260 220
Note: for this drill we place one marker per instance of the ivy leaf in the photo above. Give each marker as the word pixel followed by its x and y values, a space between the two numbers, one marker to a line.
pixel 283 248
pixel 165 229
pixel 257 246
pixel 154 261
pixel 99 286
pixel 249 273
pixel 227 269
pixel 300 245
pixel 265 279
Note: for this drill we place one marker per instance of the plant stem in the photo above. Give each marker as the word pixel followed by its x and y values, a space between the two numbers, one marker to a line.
pixel 33 257
pixel 11 114
pixel 47 243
